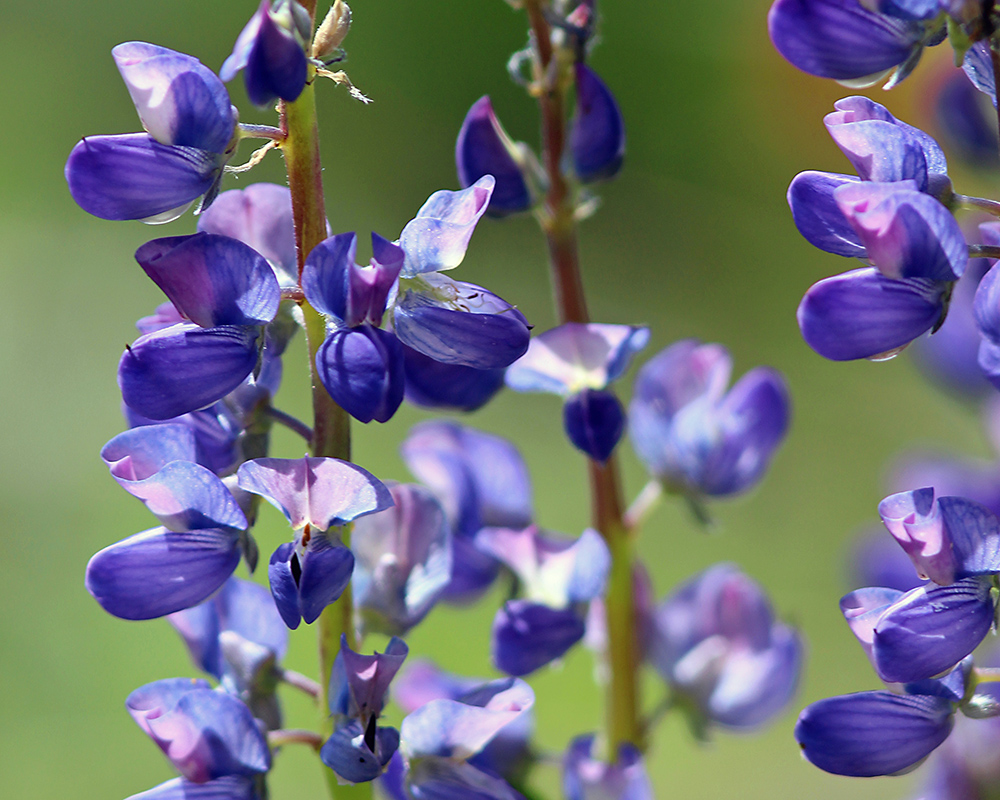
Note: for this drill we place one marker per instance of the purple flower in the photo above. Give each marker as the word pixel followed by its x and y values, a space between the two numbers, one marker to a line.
pixel 230 787
pixel 270 51
pixel 695 437
pixel 155 176
pixel 402 561
pixel 597 132
pixel 484 148
pixel 229 293
pixel 717 644
pixel 587 778
pixel 843 40
pixel 206 734
pixel 315 495
pixel 578 361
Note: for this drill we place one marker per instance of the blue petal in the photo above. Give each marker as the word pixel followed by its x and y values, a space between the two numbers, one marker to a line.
pixel 978 67
pixel 986 305
pixel 484 148
pixel 184 368
pixel 136 454
pixel 347 753
pixel 284 584
pixel 431 384
pixel 362 369
pixel 526 636
pixel 817 216
pixel 180 101
pixel 230 787
pixel 975 536
pixel 863 314
pixel 276 64
pixel 594 421
pixel 132 176
pixel 597 135
pixel 158 572
pixel 325 274
pixel 445 779
pixel 326 572
pixel 929 630
pixel 585 777
pixel 840 39
pixel 872 733
pixel 212 280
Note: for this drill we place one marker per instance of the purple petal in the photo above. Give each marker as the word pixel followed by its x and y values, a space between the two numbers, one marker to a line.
pixel 929 630
pixel 457 729
pixel 132 176
pixel 368 677
pixel 284 583
pixel 597 135
pixel 184 368
pixel 437 238
pixel 872 733
pixel 433 778
pixel 139 453
pixel 986 305
pixel 259 216
pixel 907 234
pixel 431 384
pixel 585 777
pixel 320 492
pixel 915 521
pixel 484 148
pixel 273 61
pixel 975 536
pixel 326 572
pixel 863 609
pixel 526 636
pixel 229 787
pixel 682 373
pixel 978 67
pixel 817 216
pixel 158 572
pixel 876 560
pixel 473 327
pixel 349 754
pixel 180 101
pixel 325 274
pixel 472 572
pixel 403 560
pixel 212 280
pixel 863 314
pixel 839 38
pixel 362 369
pixel 594 421
pixel 576 356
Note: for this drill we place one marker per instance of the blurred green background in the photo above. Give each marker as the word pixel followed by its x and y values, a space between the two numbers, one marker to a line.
pixel 694 239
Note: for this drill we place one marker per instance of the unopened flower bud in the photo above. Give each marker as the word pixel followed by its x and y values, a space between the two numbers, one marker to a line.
pixel 333 31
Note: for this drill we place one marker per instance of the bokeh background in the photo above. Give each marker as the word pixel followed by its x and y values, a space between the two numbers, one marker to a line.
pixel 694 239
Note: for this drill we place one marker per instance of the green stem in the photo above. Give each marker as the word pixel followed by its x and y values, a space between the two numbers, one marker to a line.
pixel 557 218
pixel 331 425
pixel 977 204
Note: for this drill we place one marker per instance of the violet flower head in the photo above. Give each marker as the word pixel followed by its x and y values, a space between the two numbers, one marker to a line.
pixel 597 132
pixel 402 561
pixel 695 437
pixel 315 495
pixel 271 53
pixel 206 734
pixel 587 778
pixel 480 480
pixel 844 40
pixel 716 642
pixel 359 748
pixel 484 148
pixel 228 293
pixel 359 363
pixel 578 362
pixel 155 176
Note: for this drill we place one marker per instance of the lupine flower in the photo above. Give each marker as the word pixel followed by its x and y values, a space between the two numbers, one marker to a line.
pixel 986 307
pixel 155 176
pixel 315 495
pixel 167 569
pixel 431 384
pixel 481 480
pixel 238 637
pixel 587 778
pixel 421 682
pixel 558 576
pixel 206 734
pixel 402 560
pixel 843 40
pixel 717 644
pixel 579 361
pixel 978 67
pixel 359 748
pixel 597 132
pixel 484 148
pixel 270 51
pixel 230 787
pixel 450 321
pixel 915 635
pixel 229 293
pixel 438 739
pixel 695 437
pixel 880 733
